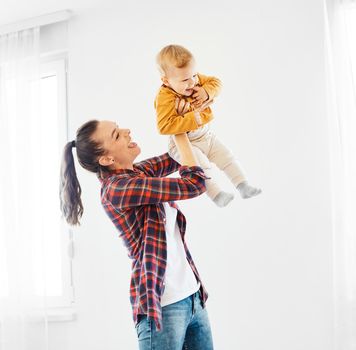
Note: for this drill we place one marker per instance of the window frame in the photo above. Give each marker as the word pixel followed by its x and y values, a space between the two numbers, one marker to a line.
pixel 56 64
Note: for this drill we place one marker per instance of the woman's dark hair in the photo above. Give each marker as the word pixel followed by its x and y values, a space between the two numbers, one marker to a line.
pixel 88 153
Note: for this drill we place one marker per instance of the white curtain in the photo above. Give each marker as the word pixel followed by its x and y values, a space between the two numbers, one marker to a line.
pixel 341 67
pixel 23 319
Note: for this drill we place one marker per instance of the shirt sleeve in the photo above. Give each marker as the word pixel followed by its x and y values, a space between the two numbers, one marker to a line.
pixel 160 166
pixel 127 192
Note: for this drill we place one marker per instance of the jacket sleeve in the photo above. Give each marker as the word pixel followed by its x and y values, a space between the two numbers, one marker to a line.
pixel 128 192
pixel 206 116
pixel 211 85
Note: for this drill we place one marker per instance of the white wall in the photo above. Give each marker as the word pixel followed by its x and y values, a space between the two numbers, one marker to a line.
pixel 265 261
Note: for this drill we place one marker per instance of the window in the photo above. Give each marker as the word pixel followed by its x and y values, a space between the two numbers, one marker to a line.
pixel 58 242
pixel 50 252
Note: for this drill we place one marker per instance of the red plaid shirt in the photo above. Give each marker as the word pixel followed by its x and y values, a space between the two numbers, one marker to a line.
pixel 133 201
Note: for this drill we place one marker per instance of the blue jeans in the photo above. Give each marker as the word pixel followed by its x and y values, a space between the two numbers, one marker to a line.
pixel 185 327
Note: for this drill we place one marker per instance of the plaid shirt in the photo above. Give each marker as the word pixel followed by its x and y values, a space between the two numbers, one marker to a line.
pixel 133 201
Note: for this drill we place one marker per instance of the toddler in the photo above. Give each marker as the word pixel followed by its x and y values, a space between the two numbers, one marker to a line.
pixel 181 81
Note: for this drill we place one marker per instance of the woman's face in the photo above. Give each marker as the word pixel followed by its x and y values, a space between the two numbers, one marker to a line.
pixel 120 150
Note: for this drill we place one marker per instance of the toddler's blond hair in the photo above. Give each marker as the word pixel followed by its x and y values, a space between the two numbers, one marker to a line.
pixel 173 55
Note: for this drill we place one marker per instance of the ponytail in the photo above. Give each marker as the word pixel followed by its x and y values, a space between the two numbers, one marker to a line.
pixel 70 190
pixel 88 153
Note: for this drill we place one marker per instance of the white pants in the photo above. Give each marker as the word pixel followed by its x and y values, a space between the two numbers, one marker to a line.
pixel 208 149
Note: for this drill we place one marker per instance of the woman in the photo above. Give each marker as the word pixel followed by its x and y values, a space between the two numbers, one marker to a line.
pixel 166 292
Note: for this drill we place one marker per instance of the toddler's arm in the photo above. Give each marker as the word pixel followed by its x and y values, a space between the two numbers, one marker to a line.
pixel 211 85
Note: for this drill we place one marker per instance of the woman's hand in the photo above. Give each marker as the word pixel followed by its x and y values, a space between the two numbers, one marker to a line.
pixel 205 105
pixel 182 106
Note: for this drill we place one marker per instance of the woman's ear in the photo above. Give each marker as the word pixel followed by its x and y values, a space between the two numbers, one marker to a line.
pixel 106 160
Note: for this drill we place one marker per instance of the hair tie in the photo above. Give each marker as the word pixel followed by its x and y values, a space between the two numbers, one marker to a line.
pixel 73 143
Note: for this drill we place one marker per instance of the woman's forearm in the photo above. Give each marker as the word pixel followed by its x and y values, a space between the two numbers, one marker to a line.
pixel 185 150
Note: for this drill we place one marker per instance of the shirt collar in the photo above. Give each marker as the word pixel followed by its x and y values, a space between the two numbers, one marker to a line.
pixel 106 174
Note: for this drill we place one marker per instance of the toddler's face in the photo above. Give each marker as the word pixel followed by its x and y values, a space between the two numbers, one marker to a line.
pixel 181 80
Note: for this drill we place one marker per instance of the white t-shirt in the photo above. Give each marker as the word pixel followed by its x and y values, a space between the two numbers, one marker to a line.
pixel 179 281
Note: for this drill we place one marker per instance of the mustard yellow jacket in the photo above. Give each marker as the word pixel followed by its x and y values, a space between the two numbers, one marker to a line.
pixel 169 122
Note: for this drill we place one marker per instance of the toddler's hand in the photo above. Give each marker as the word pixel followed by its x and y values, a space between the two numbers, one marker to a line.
pixel 199 96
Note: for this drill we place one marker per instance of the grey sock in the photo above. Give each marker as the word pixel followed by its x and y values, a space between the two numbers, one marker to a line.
pixel 222 199
pixel 247 191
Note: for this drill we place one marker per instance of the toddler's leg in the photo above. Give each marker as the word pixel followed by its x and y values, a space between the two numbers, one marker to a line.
pixel 225 160
pixel 213 191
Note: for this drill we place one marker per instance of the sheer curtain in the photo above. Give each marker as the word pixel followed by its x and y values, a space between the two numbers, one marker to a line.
pixel 23 320
pixel 341 67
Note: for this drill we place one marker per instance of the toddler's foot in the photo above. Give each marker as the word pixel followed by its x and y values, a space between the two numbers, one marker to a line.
pixel 222 199
pixel 247 191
